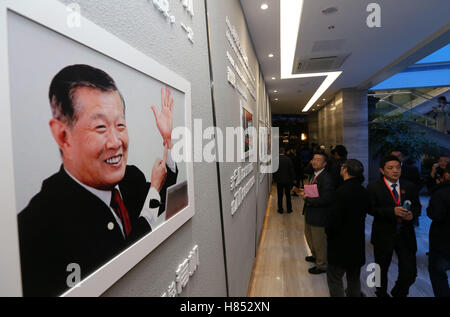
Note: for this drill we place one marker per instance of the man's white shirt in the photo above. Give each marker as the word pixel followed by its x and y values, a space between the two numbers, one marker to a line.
pixel 150 214
pixel 397 188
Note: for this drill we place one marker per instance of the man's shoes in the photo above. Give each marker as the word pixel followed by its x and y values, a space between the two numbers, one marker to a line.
pixel 280 211
pixel 289 211
pixel 315 270
pixel 310 259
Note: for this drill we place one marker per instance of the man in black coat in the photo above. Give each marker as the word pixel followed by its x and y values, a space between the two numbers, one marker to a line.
pixel 285 178
pixel 439 257
pixel 334 168
pixel 96 205
pixel 316 211
pixel 345 232
pixel 393 226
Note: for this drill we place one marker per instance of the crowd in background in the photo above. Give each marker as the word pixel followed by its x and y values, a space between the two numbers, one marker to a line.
pixel 336 204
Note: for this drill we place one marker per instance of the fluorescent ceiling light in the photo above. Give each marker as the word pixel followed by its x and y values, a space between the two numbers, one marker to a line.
pixel 290 17
pixel 264 6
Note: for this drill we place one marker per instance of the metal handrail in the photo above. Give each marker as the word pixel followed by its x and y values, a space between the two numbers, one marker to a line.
pixel 417 115
pixel 417 94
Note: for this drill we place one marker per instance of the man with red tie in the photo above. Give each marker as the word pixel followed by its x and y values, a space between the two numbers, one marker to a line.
pixel 317 211
pixel 393 226
pixel 96 205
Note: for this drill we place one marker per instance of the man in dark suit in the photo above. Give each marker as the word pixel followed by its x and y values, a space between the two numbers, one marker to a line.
pixel 96 205
pixel 334 166
pixel 285 178
pixel 393 226
pixel 439 258
pixel 409 172
pixel 345 232
pixel 316 211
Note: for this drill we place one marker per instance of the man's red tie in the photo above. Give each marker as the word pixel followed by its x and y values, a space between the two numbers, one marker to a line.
pixel 121 211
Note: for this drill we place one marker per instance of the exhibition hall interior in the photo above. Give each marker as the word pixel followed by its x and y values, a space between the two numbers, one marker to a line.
pixel 238 148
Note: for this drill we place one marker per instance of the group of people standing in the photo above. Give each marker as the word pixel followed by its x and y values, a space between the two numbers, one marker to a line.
pixel 335 207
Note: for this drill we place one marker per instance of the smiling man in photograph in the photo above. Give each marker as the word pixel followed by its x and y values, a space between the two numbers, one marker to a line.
pixel 96 205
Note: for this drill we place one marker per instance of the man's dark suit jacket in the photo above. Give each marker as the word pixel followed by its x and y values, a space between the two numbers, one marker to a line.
pixel 439 211
pixel 346 226
pixel 334 169
pixel 317 210
pixel 411 174
pixel 286 171
pixel 384 227
pixel 65 223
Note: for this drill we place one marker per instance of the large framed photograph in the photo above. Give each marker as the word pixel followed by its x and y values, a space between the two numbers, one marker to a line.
pixel 90 184
pixel 247 125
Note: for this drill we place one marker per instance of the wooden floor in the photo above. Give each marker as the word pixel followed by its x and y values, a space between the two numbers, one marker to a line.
pixel 280 269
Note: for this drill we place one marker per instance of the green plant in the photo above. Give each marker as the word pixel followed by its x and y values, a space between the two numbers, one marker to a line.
pixel 396 131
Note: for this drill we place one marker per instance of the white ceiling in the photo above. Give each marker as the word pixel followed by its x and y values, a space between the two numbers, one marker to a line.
pixel 408 28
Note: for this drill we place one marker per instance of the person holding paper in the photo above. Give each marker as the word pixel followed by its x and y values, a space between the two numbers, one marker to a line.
pixel 345 232
pixel 318 197
pixel 393 226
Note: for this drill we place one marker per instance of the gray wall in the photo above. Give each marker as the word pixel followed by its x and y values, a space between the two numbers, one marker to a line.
pixel 356 126
pixel 139 24
pixel 239 229
pixel 313 128
pixel 345 121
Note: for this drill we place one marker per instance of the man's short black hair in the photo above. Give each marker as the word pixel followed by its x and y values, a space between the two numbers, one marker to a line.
pixel 64 84
pixel 354 168
pixel 388 158
pixel 341 151
pixel 323 154
pixel 442 98
pixel 401 150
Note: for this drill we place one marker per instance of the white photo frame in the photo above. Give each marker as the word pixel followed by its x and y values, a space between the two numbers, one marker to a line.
pixel 52 15
pixel 245 153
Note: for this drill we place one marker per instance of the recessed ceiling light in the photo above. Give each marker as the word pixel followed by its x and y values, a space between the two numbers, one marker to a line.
pixel 264 6
pixel 273 78
pixel 324 99
pixel 270 55
pixel 275 91
pixel 276 99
